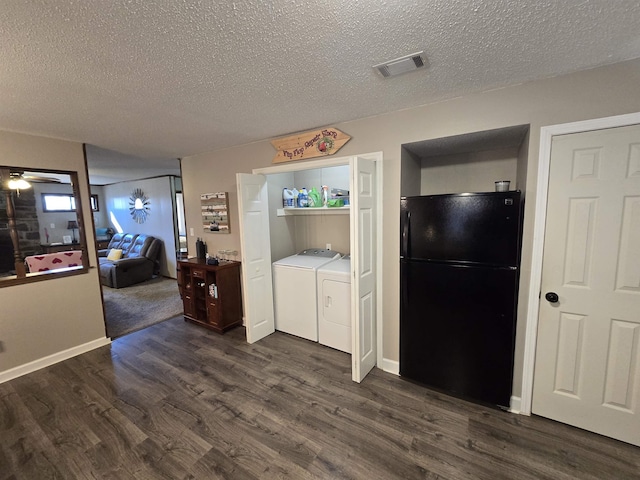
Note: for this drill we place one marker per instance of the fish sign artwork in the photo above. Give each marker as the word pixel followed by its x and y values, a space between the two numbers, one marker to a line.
pixel 314 143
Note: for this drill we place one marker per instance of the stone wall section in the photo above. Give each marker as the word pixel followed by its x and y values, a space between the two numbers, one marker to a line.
pixel 27 226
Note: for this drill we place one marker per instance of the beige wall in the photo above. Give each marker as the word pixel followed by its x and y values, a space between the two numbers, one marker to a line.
pixel 100 219
pixel 411 174
pixel 44 318
pixel 159 224
pixel 584 95
pixel 469 172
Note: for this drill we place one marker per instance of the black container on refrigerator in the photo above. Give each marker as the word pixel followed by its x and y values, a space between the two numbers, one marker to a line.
pixel 459 268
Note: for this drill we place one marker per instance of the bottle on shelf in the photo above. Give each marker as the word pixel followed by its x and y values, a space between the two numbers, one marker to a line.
pixel 315 199
pixel 303 198
pixel 287 198
pixel 325 195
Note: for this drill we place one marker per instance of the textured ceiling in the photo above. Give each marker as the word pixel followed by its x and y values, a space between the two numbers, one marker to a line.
pixel 106 166
pixel 173 78
pixel 506 137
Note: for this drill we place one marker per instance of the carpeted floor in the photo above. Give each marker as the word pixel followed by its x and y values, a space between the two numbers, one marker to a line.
pixel 139 306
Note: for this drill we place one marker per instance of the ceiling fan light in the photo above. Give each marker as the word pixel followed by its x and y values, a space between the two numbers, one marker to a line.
pixel 18 184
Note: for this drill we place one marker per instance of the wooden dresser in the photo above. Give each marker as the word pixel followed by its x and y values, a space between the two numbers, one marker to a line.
pixel 60 247
pixel 211 293
pixel 102 244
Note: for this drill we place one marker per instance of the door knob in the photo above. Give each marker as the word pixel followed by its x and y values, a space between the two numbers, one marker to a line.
pixel 552 297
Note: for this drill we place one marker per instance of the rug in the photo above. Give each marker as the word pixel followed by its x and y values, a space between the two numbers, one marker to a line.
pixel 138 306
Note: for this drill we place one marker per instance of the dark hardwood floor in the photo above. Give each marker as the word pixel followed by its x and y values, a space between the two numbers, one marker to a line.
pixel 176 401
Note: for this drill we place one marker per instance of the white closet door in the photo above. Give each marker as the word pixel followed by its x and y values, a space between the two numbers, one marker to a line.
pixel 587 370
pixel 257 283
pixel 363 266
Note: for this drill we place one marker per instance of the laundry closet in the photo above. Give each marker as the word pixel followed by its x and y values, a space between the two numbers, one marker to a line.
pixel 271 233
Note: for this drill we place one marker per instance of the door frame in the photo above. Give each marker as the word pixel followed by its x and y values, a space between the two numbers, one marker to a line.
pixel 535 280
pixel 376 157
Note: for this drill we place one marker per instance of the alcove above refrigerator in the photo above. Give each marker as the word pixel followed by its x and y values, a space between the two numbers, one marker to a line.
pixel 466 163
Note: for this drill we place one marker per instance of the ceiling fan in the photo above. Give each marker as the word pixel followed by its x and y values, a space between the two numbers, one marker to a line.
pixel 33 177
pixel 20 180
pixel 14 180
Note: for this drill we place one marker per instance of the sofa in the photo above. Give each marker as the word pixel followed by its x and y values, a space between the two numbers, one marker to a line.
pixel 129 259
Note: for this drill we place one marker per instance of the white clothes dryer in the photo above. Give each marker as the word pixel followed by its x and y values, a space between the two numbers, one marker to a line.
pixel 295 292
pixel 334 304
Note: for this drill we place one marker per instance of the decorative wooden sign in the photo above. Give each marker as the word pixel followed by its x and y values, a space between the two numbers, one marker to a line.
pixel 314 143
pixel 215 212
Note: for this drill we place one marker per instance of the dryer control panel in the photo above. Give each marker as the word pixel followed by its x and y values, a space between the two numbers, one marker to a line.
pixel 320 252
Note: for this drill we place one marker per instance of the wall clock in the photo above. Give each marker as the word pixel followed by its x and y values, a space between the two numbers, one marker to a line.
pixel 139 206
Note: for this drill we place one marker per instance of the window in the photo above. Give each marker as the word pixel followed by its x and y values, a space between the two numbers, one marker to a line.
pixel 64 202
pixel 24 236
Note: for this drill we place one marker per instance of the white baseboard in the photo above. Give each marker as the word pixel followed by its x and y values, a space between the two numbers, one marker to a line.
pixel 390 366
pixel 52 359
pixel 515 404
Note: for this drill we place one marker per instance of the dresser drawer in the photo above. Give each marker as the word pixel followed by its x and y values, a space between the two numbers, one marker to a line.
pixel 198 273
pixel 213 311
pixel 188 304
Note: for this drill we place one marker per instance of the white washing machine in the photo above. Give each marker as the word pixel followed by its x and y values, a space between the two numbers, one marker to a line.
pixel 334 304
pixel 295 291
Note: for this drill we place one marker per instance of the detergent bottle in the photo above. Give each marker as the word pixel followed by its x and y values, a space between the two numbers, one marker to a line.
pixel 287 198
pixel 315 200
pixel 296 194
pixel 303 198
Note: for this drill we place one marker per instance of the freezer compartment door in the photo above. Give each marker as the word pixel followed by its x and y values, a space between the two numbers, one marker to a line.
pixel 480 228
pixel 457 329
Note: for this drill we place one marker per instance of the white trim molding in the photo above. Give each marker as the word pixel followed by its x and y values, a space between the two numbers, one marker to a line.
pixel 546 139
pixel 390 366
pixel 377 157
pixel 515 405
pixel 52 359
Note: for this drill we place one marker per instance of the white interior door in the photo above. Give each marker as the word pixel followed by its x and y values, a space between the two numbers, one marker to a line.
pixel 257 283
pixel 363 266
pixel 587 367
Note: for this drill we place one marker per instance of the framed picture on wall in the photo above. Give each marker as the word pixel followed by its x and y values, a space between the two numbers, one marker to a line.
pixel 215 212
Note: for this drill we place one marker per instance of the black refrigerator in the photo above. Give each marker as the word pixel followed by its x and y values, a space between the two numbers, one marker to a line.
pixel 459 268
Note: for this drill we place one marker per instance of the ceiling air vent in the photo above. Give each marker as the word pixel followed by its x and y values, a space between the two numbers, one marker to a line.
pixel 400 65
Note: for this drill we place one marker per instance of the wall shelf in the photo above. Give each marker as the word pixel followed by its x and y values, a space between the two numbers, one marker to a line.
pixel 284 212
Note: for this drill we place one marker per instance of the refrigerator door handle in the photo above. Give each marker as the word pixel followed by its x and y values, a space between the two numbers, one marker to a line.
pixel 404 291
pixel 405 235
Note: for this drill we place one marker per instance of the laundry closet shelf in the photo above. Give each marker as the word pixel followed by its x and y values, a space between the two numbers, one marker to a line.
pixel 284 212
